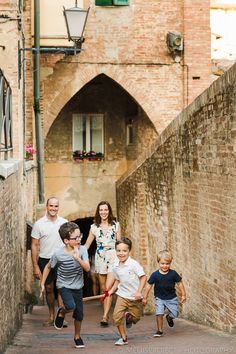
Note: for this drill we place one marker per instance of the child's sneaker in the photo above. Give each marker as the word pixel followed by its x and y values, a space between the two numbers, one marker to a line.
pixel 170 321
pixel 128 320
pixel 158 334
pixel 65 324
pixel 58 322
pixel 122 341
pixel 79 343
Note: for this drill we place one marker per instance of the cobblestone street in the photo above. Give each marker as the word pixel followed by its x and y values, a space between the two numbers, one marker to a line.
pixel 184 338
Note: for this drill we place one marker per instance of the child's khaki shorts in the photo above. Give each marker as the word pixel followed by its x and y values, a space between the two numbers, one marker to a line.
pixel 125 305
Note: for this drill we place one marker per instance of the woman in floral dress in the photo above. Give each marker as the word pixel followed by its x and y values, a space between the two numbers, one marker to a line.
pixel 106 231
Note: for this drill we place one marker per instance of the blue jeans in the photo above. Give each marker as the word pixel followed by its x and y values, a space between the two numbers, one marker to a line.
pixel 73 301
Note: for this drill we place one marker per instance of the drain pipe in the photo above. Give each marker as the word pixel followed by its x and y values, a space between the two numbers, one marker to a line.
pixel 38 124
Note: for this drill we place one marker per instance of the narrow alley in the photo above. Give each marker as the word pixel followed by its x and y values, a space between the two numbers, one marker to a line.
pixel 184 337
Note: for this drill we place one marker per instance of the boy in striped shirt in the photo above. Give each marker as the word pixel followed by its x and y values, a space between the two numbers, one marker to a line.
pixel 70 261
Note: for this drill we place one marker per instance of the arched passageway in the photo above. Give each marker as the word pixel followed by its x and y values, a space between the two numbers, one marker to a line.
pixel 104 118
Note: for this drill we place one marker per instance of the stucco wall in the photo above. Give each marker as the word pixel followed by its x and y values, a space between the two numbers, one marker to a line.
pixel 181 196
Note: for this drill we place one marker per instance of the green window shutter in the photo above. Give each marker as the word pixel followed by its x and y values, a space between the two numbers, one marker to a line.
pixel 103 2
pixel 121 2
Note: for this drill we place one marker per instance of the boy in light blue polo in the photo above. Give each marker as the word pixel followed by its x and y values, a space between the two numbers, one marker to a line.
pixel 70 260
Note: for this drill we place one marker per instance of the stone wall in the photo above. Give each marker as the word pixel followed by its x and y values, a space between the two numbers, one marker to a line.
pixel 11 266
pixel 16 196
pixel 181 195
pixel 18 190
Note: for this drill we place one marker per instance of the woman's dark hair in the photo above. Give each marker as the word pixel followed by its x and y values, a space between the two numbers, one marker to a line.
pixel 97 218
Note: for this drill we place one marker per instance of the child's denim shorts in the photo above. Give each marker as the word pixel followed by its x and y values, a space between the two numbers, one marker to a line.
pixel 73 301
pixel 172 305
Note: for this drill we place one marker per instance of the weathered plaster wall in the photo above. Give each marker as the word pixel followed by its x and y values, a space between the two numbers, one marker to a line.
pixel 181 196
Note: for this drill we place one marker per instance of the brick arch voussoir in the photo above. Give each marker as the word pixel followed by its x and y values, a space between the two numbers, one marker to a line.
pixel 73 84
pixel 134 90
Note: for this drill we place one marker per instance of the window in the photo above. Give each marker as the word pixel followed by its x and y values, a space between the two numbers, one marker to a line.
pixel 5 116
pixel 111 2
pixel 88 133
pixel 129 134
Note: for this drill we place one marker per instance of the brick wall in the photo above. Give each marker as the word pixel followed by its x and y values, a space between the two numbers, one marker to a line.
pixel 11 266
pixel 89 182
pixel 128 44
pixel 197 47
pixel 18 191
pixel 15 197
pixel 181 196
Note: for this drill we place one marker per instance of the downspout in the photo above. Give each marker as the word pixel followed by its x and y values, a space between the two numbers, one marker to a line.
pixel 38 123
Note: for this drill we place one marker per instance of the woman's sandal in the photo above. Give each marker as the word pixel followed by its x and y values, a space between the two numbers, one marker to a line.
pixel 104 322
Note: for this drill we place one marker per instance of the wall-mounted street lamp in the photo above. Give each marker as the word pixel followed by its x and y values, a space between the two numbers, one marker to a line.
pixel 75 22
pixel 76 19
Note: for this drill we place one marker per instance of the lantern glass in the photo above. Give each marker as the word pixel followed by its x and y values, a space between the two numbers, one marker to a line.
pixel 75 22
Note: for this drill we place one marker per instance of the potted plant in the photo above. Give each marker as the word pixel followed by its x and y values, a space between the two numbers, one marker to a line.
pixel 81 155
pixel 29 152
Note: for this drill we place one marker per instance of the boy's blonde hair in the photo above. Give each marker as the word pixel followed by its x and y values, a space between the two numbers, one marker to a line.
pixel 165 254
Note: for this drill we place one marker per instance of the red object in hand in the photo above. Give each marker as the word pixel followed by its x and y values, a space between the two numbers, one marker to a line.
pixel 104 296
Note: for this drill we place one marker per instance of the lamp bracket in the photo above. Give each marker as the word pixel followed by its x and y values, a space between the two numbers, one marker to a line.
pixel 46 50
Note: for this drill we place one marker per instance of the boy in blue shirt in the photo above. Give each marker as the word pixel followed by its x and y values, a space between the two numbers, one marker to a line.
pixel 70 261
pixel 164 280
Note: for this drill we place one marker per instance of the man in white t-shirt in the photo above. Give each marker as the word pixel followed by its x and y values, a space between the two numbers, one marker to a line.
pixel 46 238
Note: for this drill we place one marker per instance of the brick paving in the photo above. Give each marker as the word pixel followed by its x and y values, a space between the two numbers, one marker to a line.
pixel 184 338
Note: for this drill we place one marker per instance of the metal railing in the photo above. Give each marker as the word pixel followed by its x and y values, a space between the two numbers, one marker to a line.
pixel 5 117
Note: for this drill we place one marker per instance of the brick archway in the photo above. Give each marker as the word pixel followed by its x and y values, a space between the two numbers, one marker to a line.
pixel 64 84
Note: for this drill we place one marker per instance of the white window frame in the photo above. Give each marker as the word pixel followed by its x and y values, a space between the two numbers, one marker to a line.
pixel 88 142
pixel 129 134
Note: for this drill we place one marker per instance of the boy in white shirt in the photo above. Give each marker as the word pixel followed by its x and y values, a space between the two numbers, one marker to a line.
pixel 130 281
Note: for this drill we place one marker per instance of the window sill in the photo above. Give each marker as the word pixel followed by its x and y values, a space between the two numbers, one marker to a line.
pixel 29 164
pixel 91 159
pixel 8 167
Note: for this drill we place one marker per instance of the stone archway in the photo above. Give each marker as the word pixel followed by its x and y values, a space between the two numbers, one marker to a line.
pixel 143 86
pixel 81 185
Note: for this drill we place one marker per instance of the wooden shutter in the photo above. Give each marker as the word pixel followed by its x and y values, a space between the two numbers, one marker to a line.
pixel 121 2
pixel 103 2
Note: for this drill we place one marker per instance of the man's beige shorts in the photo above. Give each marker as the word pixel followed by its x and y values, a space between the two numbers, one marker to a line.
pixel 124 305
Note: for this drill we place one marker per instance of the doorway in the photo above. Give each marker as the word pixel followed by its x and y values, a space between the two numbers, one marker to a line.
pixel 84 225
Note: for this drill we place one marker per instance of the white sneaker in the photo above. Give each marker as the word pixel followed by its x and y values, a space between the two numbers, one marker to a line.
pixel 121 341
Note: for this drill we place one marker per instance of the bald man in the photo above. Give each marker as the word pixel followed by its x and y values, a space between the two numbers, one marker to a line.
pixel 45 240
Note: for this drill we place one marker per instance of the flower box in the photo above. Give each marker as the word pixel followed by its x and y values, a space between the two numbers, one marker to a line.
pixel 80 156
